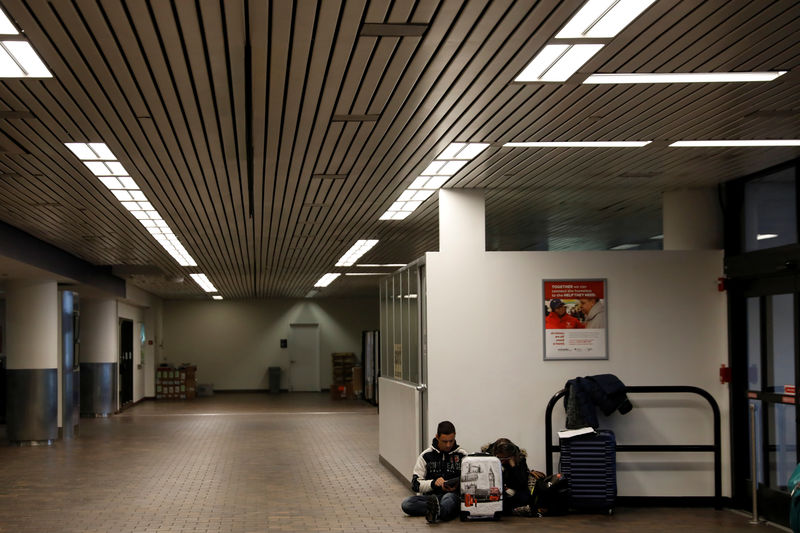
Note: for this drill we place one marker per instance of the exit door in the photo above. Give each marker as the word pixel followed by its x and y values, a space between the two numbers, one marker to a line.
pixel 125 363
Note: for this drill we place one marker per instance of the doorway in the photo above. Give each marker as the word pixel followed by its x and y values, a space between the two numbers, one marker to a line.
pixel 769 351
pixel 125 363
pixel 304 358
pixel 762 254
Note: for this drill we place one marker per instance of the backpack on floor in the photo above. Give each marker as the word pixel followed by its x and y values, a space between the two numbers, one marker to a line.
pixel 549 494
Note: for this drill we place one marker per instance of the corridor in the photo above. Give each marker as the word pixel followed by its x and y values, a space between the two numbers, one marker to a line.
pixel 250 462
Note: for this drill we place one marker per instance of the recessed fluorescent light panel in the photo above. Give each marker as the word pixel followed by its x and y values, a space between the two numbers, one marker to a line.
pixel 722 144
pixel 19 60
pixel 624 247
pixel 203 281
pixel 687 77
pixel 99 159
pixel 373 265
pixel 217 297
pixel 327 279
pixel 764 236
pixel 557 62
pixel 366 273
pixel 17 57
pixel 579 144
pixel 603 18
pixel 441 169
pixel 356 251
pixel 6 26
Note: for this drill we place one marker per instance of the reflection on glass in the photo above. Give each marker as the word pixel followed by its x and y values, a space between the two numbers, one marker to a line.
pixel 770 216
pixel 413 324
pixel 400 319
pixel 384 325
pixel 759 453
pixel 753 344
pixel 782 445
pixel 400 370
pixel 780 356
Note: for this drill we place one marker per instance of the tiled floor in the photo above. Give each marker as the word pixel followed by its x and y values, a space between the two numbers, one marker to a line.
pixel 250 462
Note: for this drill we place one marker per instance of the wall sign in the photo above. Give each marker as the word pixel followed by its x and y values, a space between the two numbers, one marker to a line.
pixel 575 319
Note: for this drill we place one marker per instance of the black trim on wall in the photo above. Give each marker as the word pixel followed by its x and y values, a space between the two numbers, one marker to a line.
pixel 26 248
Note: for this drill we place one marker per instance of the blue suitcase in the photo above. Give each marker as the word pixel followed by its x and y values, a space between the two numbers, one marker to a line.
pixel 589 462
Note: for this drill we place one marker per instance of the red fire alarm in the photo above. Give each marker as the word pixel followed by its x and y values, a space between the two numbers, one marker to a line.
pixel 722 284
pixel 724 374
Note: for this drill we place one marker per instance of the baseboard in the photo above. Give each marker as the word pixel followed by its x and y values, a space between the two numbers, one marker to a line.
pixel 393 470
pixel 673 501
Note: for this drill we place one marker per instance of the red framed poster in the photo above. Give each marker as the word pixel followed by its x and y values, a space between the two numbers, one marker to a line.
pixel 575 324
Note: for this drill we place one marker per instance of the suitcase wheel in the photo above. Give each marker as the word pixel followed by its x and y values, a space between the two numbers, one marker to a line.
pixel 463 515
pixel 497 515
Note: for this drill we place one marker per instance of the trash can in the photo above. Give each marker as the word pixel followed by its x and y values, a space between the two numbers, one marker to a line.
pixel 274 379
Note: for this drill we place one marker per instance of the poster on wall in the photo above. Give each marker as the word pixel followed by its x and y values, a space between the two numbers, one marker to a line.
pixel 575 319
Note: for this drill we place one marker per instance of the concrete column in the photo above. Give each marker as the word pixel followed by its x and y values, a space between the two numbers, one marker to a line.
pixel 98 357
pixel 462 220
pixel 692 220
pixel 32 359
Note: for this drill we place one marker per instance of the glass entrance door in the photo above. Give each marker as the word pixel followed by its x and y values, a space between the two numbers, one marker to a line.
pixel 771 346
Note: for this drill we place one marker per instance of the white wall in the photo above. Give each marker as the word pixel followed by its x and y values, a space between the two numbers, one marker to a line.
pixel 234 342
pixel 399 441
pixel 666 326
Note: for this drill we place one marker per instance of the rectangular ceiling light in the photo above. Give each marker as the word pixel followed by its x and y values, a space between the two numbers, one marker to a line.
pixel 462 151
pixel 101 161
pixel 356 251
pixel 603 18
pixel 217 297
pixel 19 60
pixel 91 151
pixel 579 144
pixel 106 168
pixel 6 26
pixel 438 172
pixel 327 279
pixel 763 236
pixel 203 281
pixel 557 62
pixel 624 247
pixel 375 265
pixel 367 273
pixel 723 144
pixel 684 77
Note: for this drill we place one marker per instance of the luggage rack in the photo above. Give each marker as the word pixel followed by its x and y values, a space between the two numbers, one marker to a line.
pixel 550 448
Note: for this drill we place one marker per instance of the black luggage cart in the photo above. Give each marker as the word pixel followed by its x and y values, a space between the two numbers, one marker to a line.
pixel 716 501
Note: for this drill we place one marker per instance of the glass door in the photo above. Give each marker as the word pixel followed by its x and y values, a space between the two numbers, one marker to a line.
pixel 768 346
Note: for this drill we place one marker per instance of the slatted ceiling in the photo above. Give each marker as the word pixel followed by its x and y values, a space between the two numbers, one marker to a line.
pixel 195 163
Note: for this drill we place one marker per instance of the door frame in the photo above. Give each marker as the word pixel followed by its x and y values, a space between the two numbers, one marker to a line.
pixel 772 504
pixel 317 376
pixel 120 357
